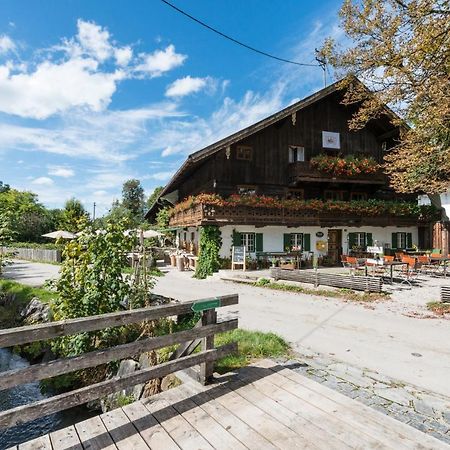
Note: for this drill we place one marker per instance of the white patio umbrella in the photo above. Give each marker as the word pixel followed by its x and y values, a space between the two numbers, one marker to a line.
pixel 60 234
pixel 146 234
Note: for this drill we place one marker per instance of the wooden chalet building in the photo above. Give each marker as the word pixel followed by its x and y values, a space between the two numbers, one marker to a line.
pixel 285 182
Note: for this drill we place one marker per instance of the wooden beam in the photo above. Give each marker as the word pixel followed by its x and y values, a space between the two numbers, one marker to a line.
pixel 22 414
pixel 50 369
pixel 23 335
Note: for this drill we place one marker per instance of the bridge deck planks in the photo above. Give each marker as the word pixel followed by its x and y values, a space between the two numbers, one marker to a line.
pixel 263 406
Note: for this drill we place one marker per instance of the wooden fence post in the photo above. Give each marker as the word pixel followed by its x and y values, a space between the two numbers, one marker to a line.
pixel 209 317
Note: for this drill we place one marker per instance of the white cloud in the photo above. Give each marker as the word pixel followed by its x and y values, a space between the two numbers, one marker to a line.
pixel 161 176
pixel 110 136
pixel 54 88
pixel 160 61
pixel 94 40
pixel 188 85
pixel 61 171
pixel 123 55
pixel 43 181
pixel 6 44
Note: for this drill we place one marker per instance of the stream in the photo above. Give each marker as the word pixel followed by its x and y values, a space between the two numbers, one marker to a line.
pixel 28 393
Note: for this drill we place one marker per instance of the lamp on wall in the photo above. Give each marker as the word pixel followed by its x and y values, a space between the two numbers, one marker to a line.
pixel 228 152
pixel 294 118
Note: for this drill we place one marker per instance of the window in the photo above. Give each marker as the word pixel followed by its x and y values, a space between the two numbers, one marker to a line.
pixel 358 196
pixel 401 240
pixel 192 236
pixel 248 241
pixel 296 153
pixel 297 241
pixel 334 195
pixel 360 239
pixel 331 140
pixel 298 194
pixel 244 153
pixel 245 189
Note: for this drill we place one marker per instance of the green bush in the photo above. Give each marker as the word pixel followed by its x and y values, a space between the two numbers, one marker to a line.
pixel 210 244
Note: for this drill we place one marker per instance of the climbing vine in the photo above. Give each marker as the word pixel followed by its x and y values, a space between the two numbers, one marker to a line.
pixel 210 244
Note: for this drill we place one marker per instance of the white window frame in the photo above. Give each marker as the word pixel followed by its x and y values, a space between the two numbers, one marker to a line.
pixel 360 239
pixel 296 153
pixel 297 240
pixel 401 236
pixel 248 240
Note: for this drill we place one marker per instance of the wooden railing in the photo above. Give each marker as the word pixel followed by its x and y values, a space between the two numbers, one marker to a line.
pixel 204 214
pixel 184 358
pixel 302 171
pixel 445 294
pixel 358 283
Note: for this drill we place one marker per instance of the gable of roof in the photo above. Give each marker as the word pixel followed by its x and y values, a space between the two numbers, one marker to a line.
pixel 194 158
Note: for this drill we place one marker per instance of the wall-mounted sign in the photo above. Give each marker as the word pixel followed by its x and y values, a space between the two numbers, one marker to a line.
pixel 375 250
pixel 330 140
pixel 319 234
pixel 238 256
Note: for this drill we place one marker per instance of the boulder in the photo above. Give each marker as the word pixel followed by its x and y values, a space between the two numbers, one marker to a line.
pixel 112 401
pixel 36 312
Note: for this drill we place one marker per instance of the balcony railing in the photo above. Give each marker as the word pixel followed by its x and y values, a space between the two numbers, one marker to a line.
pixel 302 171
pixel 204 214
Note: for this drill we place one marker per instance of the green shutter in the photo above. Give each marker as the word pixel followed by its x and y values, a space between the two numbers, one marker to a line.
pixel 307 242
pixel 369 240
pixel 286 242
pixel 351 241
pixel 259 242
pixel 408 240
pixel 394 240
pixel 237 239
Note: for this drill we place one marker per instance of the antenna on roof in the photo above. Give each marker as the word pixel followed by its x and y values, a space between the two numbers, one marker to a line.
pixel 323 64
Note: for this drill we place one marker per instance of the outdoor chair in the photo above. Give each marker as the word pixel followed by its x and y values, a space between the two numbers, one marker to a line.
pixel 353 265
pixel 399 256
pixel 408 274
pixel 389 258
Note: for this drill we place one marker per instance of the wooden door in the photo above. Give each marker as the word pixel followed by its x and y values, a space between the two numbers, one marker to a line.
pixel 334 245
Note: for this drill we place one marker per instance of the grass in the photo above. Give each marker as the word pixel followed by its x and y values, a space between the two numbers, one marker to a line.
pixel 346 294
pixel 9 310
pixel 251 345
pixel 439 308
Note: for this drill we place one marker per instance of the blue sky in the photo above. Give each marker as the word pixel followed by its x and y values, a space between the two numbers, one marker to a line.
pixel 94 92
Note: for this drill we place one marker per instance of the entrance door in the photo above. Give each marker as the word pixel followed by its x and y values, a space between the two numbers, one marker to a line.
pixel 334 245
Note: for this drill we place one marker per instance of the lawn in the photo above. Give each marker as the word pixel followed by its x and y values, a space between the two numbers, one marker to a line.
pixel 22 294
pixel 439 308
pixel 251 345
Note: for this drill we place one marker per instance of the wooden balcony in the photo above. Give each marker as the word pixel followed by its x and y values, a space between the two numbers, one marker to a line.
pixel 203 214
pixel 302 171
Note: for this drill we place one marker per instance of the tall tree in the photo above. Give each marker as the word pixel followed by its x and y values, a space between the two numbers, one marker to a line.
pixel 73 215
pixel 401 50
pixel 133 197
pixel 154 195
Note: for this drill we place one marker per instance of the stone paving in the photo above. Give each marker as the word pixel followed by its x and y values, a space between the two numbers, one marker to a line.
pixel 426 411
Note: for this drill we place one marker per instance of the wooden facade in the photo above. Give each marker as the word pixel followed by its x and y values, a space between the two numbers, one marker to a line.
pixel 267 167
pixel 273 158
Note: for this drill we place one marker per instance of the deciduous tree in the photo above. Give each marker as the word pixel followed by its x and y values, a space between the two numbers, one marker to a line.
pixel 401 50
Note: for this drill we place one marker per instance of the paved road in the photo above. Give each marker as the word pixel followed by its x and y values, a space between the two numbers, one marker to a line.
pixel 30 273
pixel 412 350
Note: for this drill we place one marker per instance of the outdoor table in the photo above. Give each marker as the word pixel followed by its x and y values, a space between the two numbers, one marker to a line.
pixel 390 264
pixel 443 260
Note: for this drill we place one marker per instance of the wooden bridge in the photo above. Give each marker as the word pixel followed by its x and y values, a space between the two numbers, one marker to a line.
pixel 263 406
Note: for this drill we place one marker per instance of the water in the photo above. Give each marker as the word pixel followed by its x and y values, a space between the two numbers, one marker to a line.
pixel 25 394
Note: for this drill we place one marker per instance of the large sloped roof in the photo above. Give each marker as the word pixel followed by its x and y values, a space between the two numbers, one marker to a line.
pixel 195 158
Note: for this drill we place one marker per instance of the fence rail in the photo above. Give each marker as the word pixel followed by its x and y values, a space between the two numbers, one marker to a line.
pixel 359 283
pixel 34 254
pixel 202 334
pixel 445 294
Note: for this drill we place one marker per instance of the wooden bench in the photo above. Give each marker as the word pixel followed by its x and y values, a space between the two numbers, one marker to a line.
pixel 183 358
pixel 445 294
pixel 318 278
